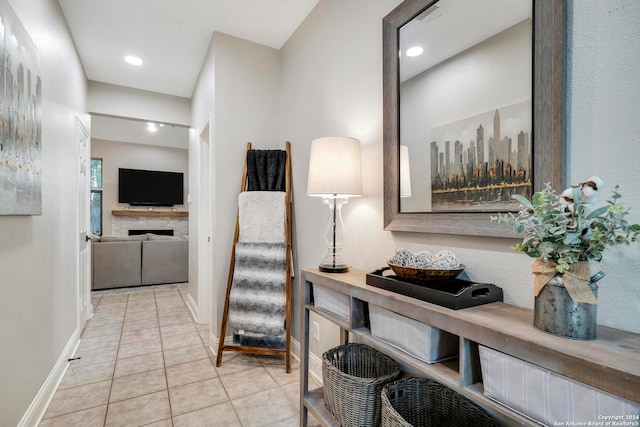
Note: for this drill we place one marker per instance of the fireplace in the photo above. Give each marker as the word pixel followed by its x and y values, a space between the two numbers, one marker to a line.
pixel 141 223
pixel 161 232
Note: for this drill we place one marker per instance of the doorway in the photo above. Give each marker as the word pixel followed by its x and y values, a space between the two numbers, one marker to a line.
pixel 85 309
pixel 202 288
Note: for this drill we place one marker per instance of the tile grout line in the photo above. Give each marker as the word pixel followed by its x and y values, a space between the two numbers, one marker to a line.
pixel 164 362
pixel 209 357
pixel 146 354
pixel 69 388
pixel 113 374
pixel 101 303
pixel 271 369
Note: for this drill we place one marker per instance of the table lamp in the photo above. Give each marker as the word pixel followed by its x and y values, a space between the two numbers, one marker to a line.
pixel 335 175
pixel 405 172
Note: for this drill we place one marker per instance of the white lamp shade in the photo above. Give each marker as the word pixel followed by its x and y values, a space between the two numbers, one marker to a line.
pixel 405 172
pixel 334 167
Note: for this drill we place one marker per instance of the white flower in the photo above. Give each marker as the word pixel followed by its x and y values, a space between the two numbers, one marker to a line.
pixel 590 189
pixel 566 200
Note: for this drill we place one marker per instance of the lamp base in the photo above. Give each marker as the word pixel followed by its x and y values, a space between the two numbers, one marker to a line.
pixel 334 269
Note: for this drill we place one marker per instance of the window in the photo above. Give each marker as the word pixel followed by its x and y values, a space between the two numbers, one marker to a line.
pixel 95 201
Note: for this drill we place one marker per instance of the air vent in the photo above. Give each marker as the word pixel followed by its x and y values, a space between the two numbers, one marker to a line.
pixel 427 12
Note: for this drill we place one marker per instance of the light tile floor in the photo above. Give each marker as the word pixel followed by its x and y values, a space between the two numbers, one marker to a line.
pixel 143 361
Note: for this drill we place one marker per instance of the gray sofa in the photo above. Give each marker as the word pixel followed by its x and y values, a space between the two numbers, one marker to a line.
pixel 146 259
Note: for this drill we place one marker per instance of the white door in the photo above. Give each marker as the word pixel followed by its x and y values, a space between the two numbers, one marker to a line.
pixel 205 216
pixel 84 261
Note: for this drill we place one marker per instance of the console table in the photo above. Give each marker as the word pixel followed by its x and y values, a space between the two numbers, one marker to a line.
pixel 610 363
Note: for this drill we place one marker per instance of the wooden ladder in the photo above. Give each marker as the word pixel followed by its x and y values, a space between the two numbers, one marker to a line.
pixel 286 352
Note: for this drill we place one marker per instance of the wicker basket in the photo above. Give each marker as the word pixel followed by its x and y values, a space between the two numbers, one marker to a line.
pixel 420 402
pixel 353 376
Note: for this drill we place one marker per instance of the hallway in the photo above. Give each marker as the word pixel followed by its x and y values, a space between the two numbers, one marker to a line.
pixel 143 361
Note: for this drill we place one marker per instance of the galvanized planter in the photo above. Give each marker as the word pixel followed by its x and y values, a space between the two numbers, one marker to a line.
pixel 555 312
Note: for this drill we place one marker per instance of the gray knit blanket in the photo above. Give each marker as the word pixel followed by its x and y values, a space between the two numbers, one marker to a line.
pixel 257 301
pixel 252 339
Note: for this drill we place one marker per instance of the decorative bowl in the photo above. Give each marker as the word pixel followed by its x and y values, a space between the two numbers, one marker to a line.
pixel 414 274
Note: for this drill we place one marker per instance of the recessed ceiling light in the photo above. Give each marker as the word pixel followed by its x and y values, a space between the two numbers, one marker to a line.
pixel 133 60
pixel 151 127
pixel 414 51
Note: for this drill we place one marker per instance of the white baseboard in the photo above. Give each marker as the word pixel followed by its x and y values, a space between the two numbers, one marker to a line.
pixel 193 308
pixel 40 403
pixel 295 349
pixel 315 362
pixel 214 341
pixel 315 368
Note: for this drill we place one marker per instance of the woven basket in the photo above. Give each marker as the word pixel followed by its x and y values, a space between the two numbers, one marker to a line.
pixel 422 276
pixel 353 376
pixel 420 403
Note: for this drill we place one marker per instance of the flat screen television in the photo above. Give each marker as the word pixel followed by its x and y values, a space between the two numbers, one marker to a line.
pixel 150 188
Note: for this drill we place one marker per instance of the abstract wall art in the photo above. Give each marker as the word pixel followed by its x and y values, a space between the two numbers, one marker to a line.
pixel 20 119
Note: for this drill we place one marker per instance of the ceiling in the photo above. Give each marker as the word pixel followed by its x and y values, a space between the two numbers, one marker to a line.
pixel 137 132
pixel 172 38
pixel 444 20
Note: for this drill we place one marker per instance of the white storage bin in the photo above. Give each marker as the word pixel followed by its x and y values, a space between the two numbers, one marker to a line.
pixel 421 341
pixel 333 302
pixel 545 396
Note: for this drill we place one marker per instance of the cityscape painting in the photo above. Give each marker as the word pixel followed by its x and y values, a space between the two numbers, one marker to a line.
pixel 478 163
pixel 20 119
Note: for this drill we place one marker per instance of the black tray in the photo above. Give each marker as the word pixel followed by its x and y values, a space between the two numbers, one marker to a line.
pixel 454 294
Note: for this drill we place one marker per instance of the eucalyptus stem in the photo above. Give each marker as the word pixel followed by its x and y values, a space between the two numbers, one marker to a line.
pixel 566 229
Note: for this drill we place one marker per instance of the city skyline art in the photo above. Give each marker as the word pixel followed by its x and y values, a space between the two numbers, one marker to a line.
pixel 478 163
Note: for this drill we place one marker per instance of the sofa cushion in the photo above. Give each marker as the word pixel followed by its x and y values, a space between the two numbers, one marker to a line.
pixel 151 236
pixel 165 261
pixel 134 238
pixel 116 264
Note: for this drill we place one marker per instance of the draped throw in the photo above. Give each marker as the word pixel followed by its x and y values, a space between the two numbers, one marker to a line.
pixel 266 170
pixel 257 301
pixel 261 216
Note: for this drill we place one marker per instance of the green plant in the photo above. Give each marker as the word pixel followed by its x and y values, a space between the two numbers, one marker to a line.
pixel 566 229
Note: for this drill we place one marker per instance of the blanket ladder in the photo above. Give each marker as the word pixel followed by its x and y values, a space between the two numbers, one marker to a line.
pixel 286 351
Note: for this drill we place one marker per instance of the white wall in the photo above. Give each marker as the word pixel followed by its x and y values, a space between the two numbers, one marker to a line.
pixel 116 155
pixel 246 109
pixel 112 100
pixel 331 84
pixel 37 265
pixel 201 111
pixel 244 78
pixel 603 108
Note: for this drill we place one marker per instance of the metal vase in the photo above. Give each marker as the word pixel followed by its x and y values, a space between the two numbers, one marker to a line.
pixel 555 312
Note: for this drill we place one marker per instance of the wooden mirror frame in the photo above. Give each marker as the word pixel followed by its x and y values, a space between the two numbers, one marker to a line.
pixel 547 121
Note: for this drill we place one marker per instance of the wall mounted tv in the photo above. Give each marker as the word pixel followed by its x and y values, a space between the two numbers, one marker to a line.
pixel 150 188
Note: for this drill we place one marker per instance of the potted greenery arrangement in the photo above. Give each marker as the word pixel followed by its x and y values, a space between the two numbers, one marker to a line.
pixel 564 232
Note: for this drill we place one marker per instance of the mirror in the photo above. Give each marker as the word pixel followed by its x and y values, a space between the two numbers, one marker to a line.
pixel 477 116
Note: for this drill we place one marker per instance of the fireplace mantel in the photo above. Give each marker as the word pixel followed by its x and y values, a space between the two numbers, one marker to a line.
pixel 150 213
